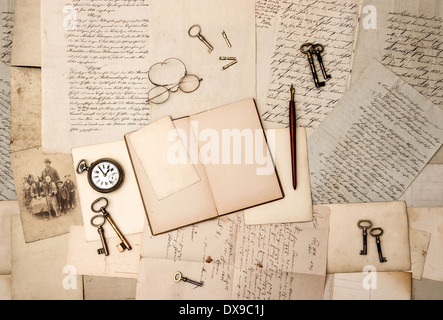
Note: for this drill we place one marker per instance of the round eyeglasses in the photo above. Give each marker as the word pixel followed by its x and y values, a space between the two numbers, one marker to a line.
pixel 161 75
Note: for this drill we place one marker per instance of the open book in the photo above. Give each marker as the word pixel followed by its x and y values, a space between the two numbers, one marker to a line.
pixel 202 166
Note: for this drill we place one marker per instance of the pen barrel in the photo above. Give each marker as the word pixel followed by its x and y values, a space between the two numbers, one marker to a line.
pixel 292 126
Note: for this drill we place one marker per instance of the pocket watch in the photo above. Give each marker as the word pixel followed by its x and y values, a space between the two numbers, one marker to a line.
pixel 104 175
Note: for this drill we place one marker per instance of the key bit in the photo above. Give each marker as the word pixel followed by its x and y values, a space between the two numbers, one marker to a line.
pixel 101 232
pixel 124 245
pixel 317 49
pixel 308 53
pixel 104 249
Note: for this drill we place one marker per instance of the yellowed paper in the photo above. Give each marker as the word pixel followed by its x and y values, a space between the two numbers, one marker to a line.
pixel 267 20
pixel 7 208
pixel 238 163
pixel 7 187
pixel 237 262
pixel 327 22
pixel 7 22
pixel 372 146
pixel 26 108
pixel 372 286
pixel 39 269
pixel 346 238
pixel 84 257
pixel 427 189
pixel 297 272
pixel 26 48
pixel 124 204
pixel 228 148
pixel 202 252
pixel 430 220
pixel 419 244
pixel 153 145
pixel 47 193
pixel 179 209
pixel 94 71
pixel 173 19
pixel 404 36
pixel 106 288
pixel 296 206
pixel 5 287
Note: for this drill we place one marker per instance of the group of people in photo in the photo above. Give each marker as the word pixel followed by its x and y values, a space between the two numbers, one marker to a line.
pixel 47 193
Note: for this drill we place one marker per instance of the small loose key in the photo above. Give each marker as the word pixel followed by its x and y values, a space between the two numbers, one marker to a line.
pixel 179 277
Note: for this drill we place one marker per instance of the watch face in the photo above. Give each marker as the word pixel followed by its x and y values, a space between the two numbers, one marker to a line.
pixel 105 175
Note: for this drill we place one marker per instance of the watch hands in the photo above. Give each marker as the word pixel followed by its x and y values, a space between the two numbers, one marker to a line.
pixel 102 171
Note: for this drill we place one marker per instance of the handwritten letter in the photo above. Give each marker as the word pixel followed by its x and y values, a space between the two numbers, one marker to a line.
pixel 272 261
pixel 204 251
pixel 408 41
pixel 235 261
pixel 7 24
pixel 265 12
pixel 328 22
pixel 94 71
pixel 377 140
pixel 7 188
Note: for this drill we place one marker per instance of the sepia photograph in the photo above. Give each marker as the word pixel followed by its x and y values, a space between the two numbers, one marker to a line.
pixel 46 193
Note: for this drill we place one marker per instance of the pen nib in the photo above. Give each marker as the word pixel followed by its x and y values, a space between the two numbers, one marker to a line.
pixel 292 92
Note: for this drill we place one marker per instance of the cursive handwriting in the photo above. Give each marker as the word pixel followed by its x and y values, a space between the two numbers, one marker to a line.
pixel 380 144
pixel 107 79
pixel 269 257
pixel 265 12
pixel 7 24
pixel 414 51
pixel 7 187
pixel 328 22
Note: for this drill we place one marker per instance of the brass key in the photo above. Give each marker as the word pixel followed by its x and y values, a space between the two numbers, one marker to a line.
pixel 101 232
pixel 198 35
pixel 317 49
pixel 365 225
pixel 376 233
pixel 124 243
pixel 178 277
pixel 311 63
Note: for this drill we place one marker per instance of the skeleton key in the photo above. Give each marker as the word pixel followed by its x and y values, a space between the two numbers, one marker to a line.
pixel 124 243
pixel 311 63
pixel 198 35
pixel 178 277
pixel 317 49
pixel 101 232
pixel 377 232
pixel 365 225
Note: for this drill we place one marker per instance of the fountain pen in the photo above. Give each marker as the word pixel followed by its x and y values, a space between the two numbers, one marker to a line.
pixel 292 125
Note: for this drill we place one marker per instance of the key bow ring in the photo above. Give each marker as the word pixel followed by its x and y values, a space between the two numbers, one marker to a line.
pixel 102 208
pixel 98 225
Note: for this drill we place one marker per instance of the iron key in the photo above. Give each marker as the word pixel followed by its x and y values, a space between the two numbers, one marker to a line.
pixel 178 277
pixel 101 232
pixel 311 64
pixel 377 232
pixel 199 36
pixel 365 225
pixel 317 49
